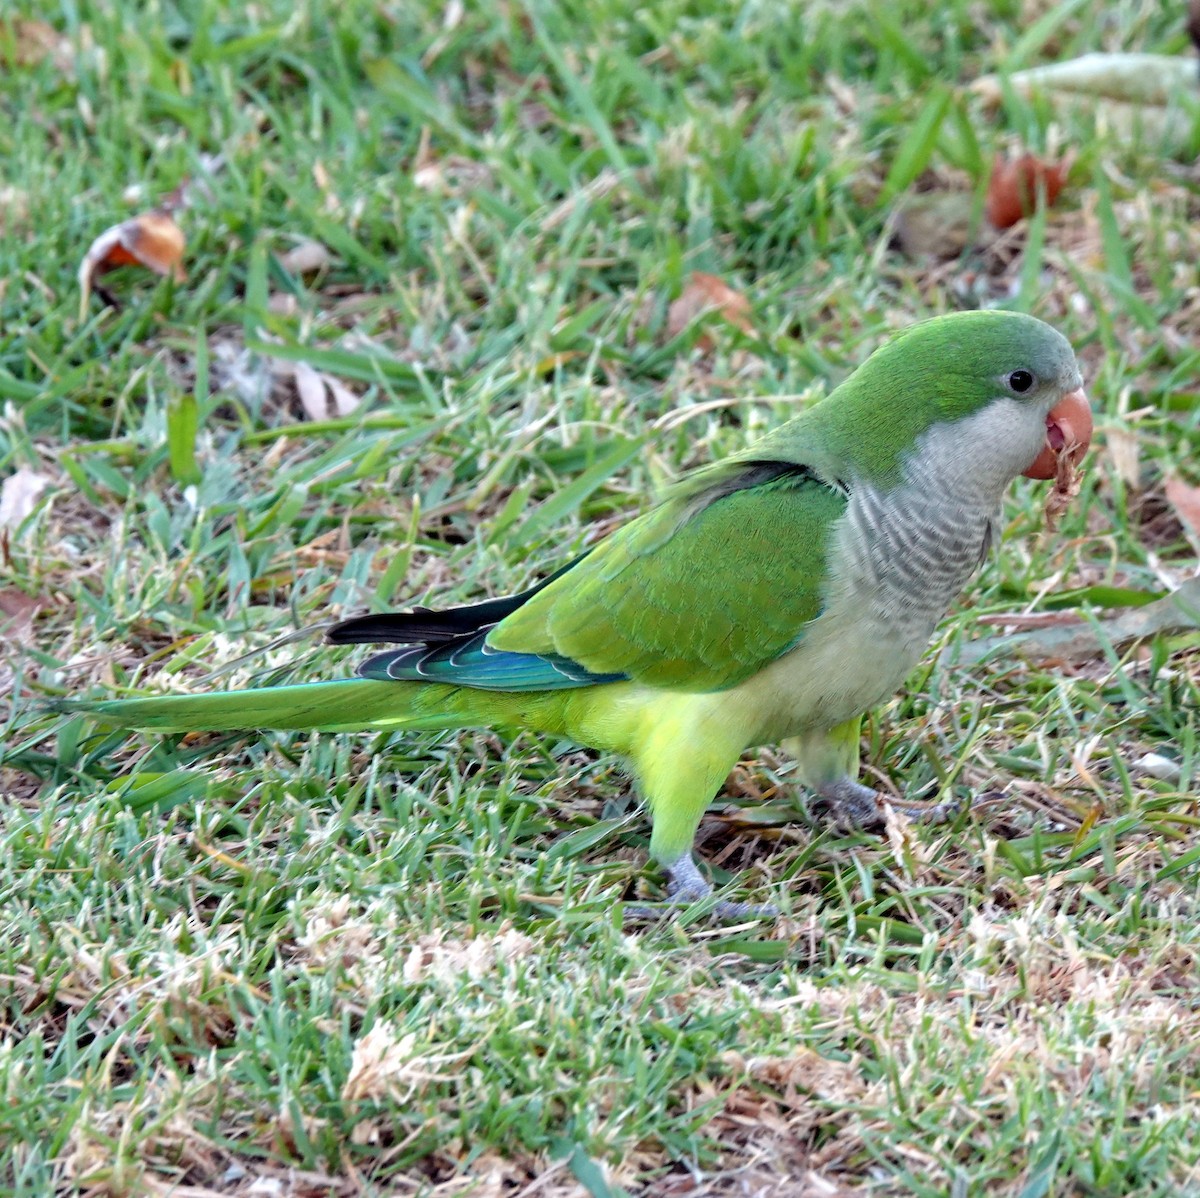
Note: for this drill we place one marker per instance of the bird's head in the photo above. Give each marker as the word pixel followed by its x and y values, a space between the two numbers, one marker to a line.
pixel 978 396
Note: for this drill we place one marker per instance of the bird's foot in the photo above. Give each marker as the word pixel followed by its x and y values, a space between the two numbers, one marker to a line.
pixel 686 884
pixel 855 805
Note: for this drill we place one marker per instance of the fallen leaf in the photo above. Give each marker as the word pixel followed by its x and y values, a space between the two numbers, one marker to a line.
pixel 706 293
pixel 305 257
pixel 934 224
pixel 19 496
pixel 1185 499
pixel 1124 450
pixel 1158 766
pixel 25 43
pixel 1016 185
pixel 1149 98
pixel 1135 78
pixel 152 240
pixel 1176 612
pixel 316 389
pixel 17 611
pixel 310 386
pixel 344 400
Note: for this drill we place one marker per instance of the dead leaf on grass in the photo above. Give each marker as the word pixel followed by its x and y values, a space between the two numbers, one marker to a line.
pixel 19 496
pixel 1176 612
pixel 1158 766
pixel 152 240
pixel 1017 184
pixel 26 43
pixel 17 611
pixel 450 175
pixel 1124 451
pixel 1185 499
pixel 1133 78
pixel 704 294
pixel 321 395
pixel 1147 98
pixel 306 257
pixel 934 224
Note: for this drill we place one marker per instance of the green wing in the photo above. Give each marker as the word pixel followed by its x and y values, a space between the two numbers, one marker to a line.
pixel 698 594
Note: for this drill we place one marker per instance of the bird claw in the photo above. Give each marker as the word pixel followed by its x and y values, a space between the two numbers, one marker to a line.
pixel 928 813
pixel 857 806
pixel 686 885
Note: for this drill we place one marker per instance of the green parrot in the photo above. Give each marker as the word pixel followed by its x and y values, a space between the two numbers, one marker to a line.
pixel 777 595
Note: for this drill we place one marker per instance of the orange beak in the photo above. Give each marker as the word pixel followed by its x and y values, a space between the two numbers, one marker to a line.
pixel 1069 429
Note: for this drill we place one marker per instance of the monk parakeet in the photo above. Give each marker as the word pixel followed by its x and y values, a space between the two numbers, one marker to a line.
pixel 774 596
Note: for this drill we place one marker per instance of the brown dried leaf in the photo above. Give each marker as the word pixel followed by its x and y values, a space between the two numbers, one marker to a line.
pixel 1016 184
pixel 706 293
pixel 344 400
pixel 1124 451
pixel 305 257
pixel 1185 499
pixel 310 386
pixel 17 611
pixel 1177 611
pixel 934 224
pixel 19 496
pixel 317 389
pixel 25 43
pixel 152 240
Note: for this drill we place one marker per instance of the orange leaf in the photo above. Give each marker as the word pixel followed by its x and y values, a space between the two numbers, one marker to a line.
pixel 1015 184
pixel 152 240
pixel 707 293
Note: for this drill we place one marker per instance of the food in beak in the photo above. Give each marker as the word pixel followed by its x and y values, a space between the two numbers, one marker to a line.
pixel 1068 435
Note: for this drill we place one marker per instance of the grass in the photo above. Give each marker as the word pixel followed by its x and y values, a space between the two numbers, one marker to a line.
pixel 380 965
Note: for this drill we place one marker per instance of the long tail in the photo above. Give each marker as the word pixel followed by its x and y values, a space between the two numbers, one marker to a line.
pixel 352 705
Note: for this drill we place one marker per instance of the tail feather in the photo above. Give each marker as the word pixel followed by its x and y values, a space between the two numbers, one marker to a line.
pixel 352 705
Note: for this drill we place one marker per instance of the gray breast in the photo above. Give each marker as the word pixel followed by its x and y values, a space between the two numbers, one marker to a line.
pixel 913 549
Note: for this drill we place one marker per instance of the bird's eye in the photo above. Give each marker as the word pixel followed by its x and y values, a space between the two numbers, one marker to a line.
pixel 1020 381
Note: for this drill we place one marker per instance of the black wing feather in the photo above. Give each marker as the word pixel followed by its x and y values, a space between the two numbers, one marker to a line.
pixel 425 626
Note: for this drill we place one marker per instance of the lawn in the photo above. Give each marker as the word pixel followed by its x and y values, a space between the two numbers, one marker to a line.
pixel 436 330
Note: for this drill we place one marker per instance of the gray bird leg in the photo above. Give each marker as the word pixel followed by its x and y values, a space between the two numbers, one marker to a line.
pixel 686 884
pixel 855 805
